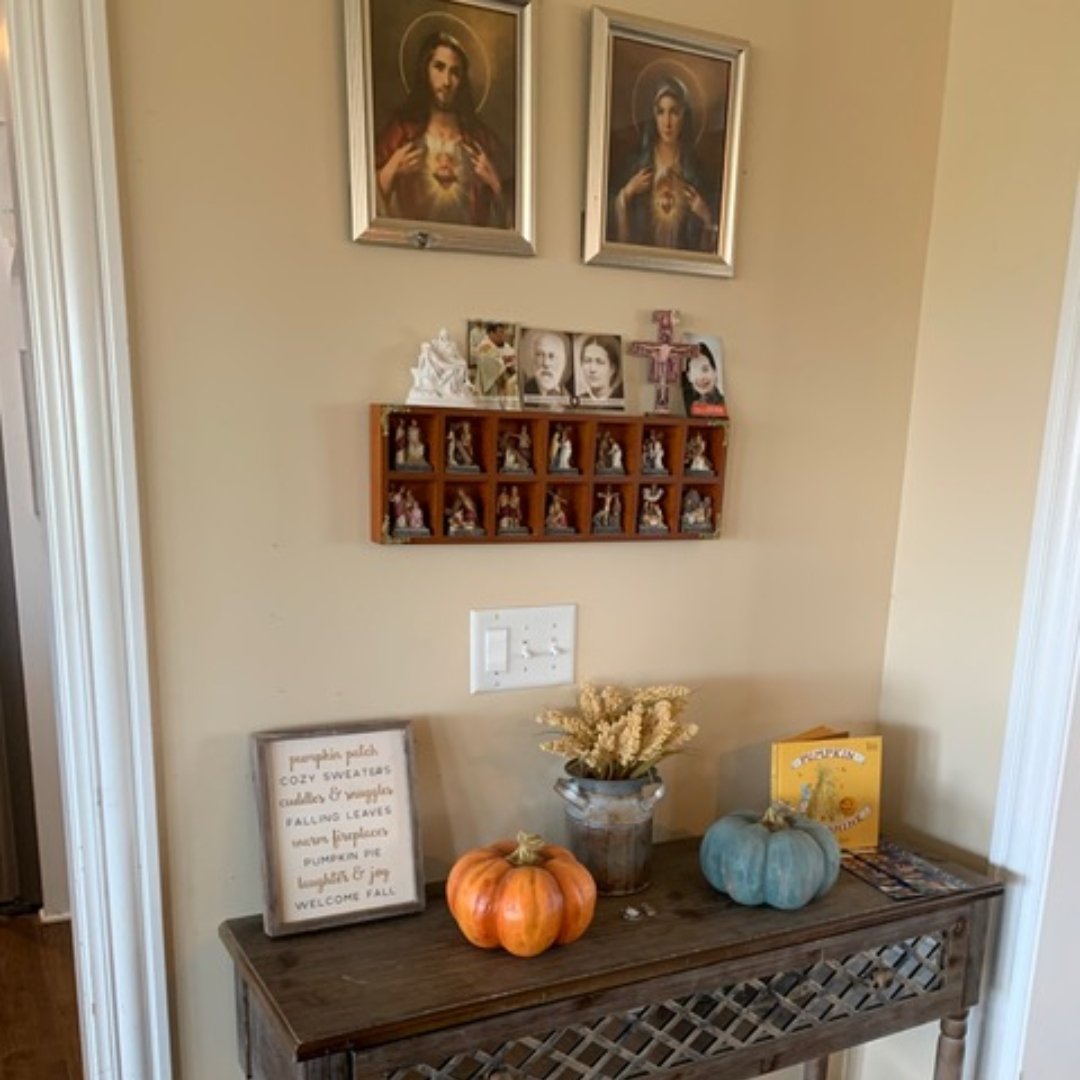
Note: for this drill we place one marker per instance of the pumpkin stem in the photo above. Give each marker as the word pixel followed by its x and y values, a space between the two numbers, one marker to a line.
pixel 778 816
pixel 527 852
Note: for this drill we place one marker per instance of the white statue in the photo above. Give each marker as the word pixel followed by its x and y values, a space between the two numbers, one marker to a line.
pixel 441 375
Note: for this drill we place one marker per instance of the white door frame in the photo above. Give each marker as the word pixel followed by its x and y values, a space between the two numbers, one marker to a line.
pixel 1042 704
pixel 66 166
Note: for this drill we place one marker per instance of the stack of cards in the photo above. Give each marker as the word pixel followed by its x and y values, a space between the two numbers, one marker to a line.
pixel 899 874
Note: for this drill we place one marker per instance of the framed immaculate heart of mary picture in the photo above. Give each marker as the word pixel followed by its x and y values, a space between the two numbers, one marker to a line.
pixel 665 113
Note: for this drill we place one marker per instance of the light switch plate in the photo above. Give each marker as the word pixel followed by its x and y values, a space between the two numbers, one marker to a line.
pixel 539 647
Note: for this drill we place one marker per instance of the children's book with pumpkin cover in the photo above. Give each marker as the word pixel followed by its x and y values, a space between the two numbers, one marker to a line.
pixel 833 778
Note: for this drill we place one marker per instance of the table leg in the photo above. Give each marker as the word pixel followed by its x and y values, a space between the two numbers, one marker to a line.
pixel 817 1070
pixel 243 1023
pixel 950 1048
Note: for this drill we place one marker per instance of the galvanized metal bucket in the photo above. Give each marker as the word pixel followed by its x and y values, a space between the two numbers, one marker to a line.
pixel 610 828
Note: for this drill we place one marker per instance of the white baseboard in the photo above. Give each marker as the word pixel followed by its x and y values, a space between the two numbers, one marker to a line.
pixel 54 916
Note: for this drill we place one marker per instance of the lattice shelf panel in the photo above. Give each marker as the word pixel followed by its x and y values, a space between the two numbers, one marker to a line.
pixel 704 1027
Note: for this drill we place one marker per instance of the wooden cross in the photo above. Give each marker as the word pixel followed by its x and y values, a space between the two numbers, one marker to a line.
pixel 666 356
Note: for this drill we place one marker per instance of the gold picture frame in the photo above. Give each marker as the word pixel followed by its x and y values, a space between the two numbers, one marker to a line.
pixel 665 127
pixel 441 123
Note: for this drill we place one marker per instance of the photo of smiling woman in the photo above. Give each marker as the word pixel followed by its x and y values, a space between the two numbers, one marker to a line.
pixel 703 378
pixel 598 377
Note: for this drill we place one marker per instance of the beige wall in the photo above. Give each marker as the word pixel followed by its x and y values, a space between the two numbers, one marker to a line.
pixel 261 333
pixel 1007 175
pixel 1008 167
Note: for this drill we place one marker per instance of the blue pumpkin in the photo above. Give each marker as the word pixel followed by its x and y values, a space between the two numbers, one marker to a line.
pixel 781 858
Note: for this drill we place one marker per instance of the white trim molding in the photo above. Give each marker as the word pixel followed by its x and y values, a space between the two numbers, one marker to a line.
pixel 66 161
pixel 1042 704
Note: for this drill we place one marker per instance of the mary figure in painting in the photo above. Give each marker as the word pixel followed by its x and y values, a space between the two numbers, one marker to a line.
pixel 662 197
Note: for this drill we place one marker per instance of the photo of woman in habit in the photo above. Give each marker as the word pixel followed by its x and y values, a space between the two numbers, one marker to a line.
pixel 598 381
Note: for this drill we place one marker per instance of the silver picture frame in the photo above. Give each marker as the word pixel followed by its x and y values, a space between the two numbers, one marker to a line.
pixel 665 127
pixel 440 195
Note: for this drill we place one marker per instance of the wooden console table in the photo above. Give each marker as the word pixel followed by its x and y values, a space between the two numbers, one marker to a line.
pixel 700 988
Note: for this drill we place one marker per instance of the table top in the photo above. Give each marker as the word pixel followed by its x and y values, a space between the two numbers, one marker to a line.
pixel 367 984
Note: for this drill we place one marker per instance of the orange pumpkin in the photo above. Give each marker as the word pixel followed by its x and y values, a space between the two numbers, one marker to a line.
pixel 522 894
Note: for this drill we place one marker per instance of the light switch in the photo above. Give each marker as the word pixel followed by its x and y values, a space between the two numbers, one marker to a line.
pixel 496 650
pixel 514 648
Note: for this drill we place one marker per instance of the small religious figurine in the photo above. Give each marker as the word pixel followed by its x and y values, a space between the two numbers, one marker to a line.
pixel 441 375
pixel 566 453
pixel 463 518
pixel 459 447
pixel 561 453
pixel 509 458
pixel 516 509
pixel 651 517
pixel 525 446
pixel 666 357
pixel 502 510
pixel 697 513
pixel 395 517
pixel 608 517
pixel 696 457
pixel 405 517
pixel 415 450
pixel 515 451
pixel 652 454
pixel 414 515
pixel 508 512
pixel 410 453
pixel 609 455
pixel 557 520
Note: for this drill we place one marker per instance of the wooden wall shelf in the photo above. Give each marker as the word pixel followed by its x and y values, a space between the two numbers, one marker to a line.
pixel 484 494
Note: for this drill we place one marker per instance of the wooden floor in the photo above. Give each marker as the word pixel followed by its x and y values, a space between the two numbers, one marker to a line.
pixel 39 1033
